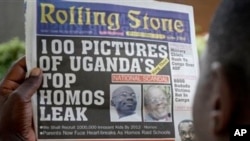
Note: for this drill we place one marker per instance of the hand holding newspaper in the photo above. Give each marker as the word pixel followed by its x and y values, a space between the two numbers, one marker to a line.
pixel 112 69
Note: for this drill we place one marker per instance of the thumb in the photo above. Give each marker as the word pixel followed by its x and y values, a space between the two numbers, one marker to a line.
pixel 30 85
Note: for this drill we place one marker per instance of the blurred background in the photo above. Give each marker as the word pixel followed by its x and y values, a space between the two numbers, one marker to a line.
pixel 12 27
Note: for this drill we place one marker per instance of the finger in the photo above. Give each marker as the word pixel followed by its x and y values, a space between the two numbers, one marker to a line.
pixel 15 76
pixel 30 85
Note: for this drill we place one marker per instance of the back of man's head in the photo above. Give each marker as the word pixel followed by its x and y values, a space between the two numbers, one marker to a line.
pixel 229 39
pixel 222 97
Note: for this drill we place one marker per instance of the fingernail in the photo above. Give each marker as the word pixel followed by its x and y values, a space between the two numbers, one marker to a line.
pixel 35 72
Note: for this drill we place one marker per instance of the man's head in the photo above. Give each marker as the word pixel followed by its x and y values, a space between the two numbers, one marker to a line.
pixel 186 130
pixel 124 100
pixel 222 98
pixel 155 101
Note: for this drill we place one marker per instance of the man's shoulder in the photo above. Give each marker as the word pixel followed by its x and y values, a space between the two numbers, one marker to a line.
pixel 133 117
pixel 149 118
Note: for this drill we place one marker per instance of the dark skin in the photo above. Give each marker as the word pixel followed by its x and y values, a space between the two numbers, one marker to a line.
pixel 222 97
pixel 15 102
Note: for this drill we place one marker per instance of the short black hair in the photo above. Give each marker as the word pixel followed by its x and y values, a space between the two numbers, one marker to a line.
pixel 184 121
pixel 229 42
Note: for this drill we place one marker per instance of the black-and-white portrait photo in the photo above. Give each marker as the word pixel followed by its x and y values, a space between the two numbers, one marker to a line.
pixel 157 103
pixel 186 130
pixel 125 103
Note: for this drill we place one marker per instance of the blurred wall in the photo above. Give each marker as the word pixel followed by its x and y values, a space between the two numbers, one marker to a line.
pixel 203 12
pixel 11 19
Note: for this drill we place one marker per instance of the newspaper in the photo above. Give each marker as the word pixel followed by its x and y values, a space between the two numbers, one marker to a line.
pixel 113 69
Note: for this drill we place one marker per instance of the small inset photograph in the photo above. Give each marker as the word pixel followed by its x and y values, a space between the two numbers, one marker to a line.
pixel 186 130
pixel 125 103
pixel 157 103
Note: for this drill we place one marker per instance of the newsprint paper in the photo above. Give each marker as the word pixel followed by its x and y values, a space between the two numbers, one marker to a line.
pixel 113 70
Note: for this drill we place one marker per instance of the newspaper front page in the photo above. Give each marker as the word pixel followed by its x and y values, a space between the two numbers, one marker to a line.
pixel 120 70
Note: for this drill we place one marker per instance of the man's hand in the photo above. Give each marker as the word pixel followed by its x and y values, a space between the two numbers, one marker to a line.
pixel 15 103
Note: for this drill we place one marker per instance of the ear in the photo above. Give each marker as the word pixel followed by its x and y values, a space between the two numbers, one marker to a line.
pixel 221 99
